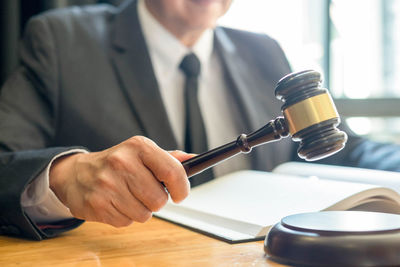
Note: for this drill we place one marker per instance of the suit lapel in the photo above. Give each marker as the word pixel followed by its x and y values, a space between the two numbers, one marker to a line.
pixel 240 78
pixel 236 76
pixel 133 66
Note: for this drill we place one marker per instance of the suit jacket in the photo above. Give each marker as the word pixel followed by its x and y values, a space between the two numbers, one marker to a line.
pixel 86 79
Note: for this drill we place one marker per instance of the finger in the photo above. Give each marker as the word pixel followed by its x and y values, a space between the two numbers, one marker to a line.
pixel 140 192
pixel 113 217
pixel 100 209
pixel 132 208
pixel 168 170
pixel 181 156
pixel 125 164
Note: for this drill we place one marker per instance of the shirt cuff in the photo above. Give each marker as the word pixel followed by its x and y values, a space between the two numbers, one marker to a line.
pixel 40 202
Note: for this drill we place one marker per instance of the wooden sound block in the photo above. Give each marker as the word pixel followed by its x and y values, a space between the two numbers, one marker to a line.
pixel 336 238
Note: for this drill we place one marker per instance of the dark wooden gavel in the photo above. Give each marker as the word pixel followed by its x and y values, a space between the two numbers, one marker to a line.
pixel 309 116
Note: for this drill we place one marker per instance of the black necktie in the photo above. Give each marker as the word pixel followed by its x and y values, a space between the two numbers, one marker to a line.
pixel 195 133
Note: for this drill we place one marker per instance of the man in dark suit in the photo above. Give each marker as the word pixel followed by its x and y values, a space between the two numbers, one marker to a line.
pixel 103 79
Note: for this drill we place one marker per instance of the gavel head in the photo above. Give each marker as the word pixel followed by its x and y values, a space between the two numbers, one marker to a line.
pixel 310 114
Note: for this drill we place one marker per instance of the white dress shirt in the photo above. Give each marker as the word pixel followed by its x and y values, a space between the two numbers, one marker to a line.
pixel 40 202
pixel 166 53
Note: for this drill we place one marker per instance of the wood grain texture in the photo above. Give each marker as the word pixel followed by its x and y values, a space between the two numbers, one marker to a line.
pixel 155 243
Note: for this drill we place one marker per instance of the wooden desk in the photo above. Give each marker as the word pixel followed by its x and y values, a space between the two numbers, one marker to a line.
pixel 155 243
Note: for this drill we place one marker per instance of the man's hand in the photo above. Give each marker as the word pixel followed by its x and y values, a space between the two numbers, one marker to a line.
pixel 122 184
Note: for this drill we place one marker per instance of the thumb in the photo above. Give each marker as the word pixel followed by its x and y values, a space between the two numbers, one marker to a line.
pixel 180 155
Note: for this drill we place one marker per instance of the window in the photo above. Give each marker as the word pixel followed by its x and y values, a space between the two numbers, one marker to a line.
pixel 365 48
pixel 296 24
pixel 354 43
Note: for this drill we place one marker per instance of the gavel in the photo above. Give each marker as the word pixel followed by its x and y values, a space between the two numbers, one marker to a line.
pixel 309 116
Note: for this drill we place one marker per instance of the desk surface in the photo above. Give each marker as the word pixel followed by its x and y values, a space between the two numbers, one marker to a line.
pixel 155 243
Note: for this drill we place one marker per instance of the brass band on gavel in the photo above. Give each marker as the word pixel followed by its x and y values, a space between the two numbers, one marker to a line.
pixel 310 111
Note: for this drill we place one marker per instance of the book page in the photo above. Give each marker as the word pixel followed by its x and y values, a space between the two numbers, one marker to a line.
pixel 257 199
pixel 378 199
pixel 340 173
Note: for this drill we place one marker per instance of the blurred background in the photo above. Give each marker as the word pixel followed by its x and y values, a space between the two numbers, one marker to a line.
pixel 354 43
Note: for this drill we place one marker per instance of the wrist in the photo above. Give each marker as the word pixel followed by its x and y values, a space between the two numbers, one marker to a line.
pixel 61 170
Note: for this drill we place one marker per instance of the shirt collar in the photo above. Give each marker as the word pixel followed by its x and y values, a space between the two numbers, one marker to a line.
pixel 166 46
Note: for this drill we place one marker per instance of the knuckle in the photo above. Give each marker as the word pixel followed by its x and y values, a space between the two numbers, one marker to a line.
pixel 174 174
pixel 170 175
pixel 106 183
pixel 142 144
pixel 159 202
pixel 138 141
pixel 144 216
pixel 115 160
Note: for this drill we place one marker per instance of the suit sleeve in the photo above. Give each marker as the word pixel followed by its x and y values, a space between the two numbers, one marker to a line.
pixel 358 152
pixel 28 121
pixel 363 153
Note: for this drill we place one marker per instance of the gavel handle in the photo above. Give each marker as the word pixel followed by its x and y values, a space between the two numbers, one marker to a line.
pixel 272 131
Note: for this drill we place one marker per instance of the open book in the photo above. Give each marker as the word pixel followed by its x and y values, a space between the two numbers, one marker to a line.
pixel 242 206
